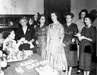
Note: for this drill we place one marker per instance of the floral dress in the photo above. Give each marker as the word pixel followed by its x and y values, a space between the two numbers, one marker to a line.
pixel 55 48
pixel 41 37
pixel 10 47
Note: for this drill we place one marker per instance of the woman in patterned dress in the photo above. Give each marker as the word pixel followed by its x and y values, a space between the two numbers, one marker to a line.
pixel 9 44
pixel 55 47
pixel 41 37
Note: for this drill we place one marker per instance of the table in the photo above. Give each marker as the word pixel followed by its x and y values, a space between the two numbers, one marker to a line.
pixel 13 65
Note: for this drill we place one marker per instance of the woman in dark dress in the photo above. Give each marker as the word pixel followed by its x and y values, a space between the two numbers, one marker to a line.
pixel 70 29
pixel 86 38
pixel 32 26
pixel 41 34
pixel 31 23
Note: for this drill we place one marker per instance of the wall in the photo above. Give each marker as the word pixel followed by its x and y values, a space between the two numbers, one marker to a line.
pixel 90 4
pixel 77 5
pixel 34 6
pixel 58 6
pixel 21 6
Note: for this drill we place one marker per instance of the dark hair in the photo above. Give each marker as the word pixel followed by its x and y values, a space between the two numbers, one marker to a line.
pixel 49 17
pixel 83 10
pixel 71 14
pixel 46 19
pixel 93 12
pixel 57 14
pixel 7 33
pixel 41 16
pixel 90 17
pixel 31 18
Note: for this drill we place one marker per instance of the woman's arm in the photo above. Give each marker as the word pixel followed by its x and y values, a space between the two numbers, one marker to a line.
pixel 92 34
pixel 61 34
pixel 19 42
pixel 48 37
pixel 4 44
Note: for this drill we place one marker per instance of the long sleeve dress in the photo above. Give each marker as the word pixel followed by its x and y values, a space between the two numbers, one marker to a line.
pixel 71 55
pixel 55 49
pixel 42 38
pixel 85 58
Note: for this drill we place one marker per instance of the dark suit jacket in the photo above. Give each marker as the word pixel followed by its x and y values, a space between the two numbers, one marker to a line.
pixel 28 35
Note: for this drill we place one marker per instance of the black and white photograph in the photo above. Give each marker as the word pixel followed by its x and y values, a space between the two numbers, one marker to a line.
pixel 48 37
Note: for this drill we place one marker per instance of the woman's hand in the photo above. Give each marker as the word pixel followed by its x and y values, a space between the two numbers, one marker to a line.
pixel 78 35
pixel 73 40
pixel 64 45
pixel 22 39
pixel 37 42
pixel 32 40
pixel 81 38
pixel 89 39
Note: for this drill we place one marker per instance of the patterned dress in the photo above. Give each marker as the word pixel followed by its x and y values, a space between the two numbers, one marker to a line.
pixel 41 37
pixel 10 47
pixel 55 48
